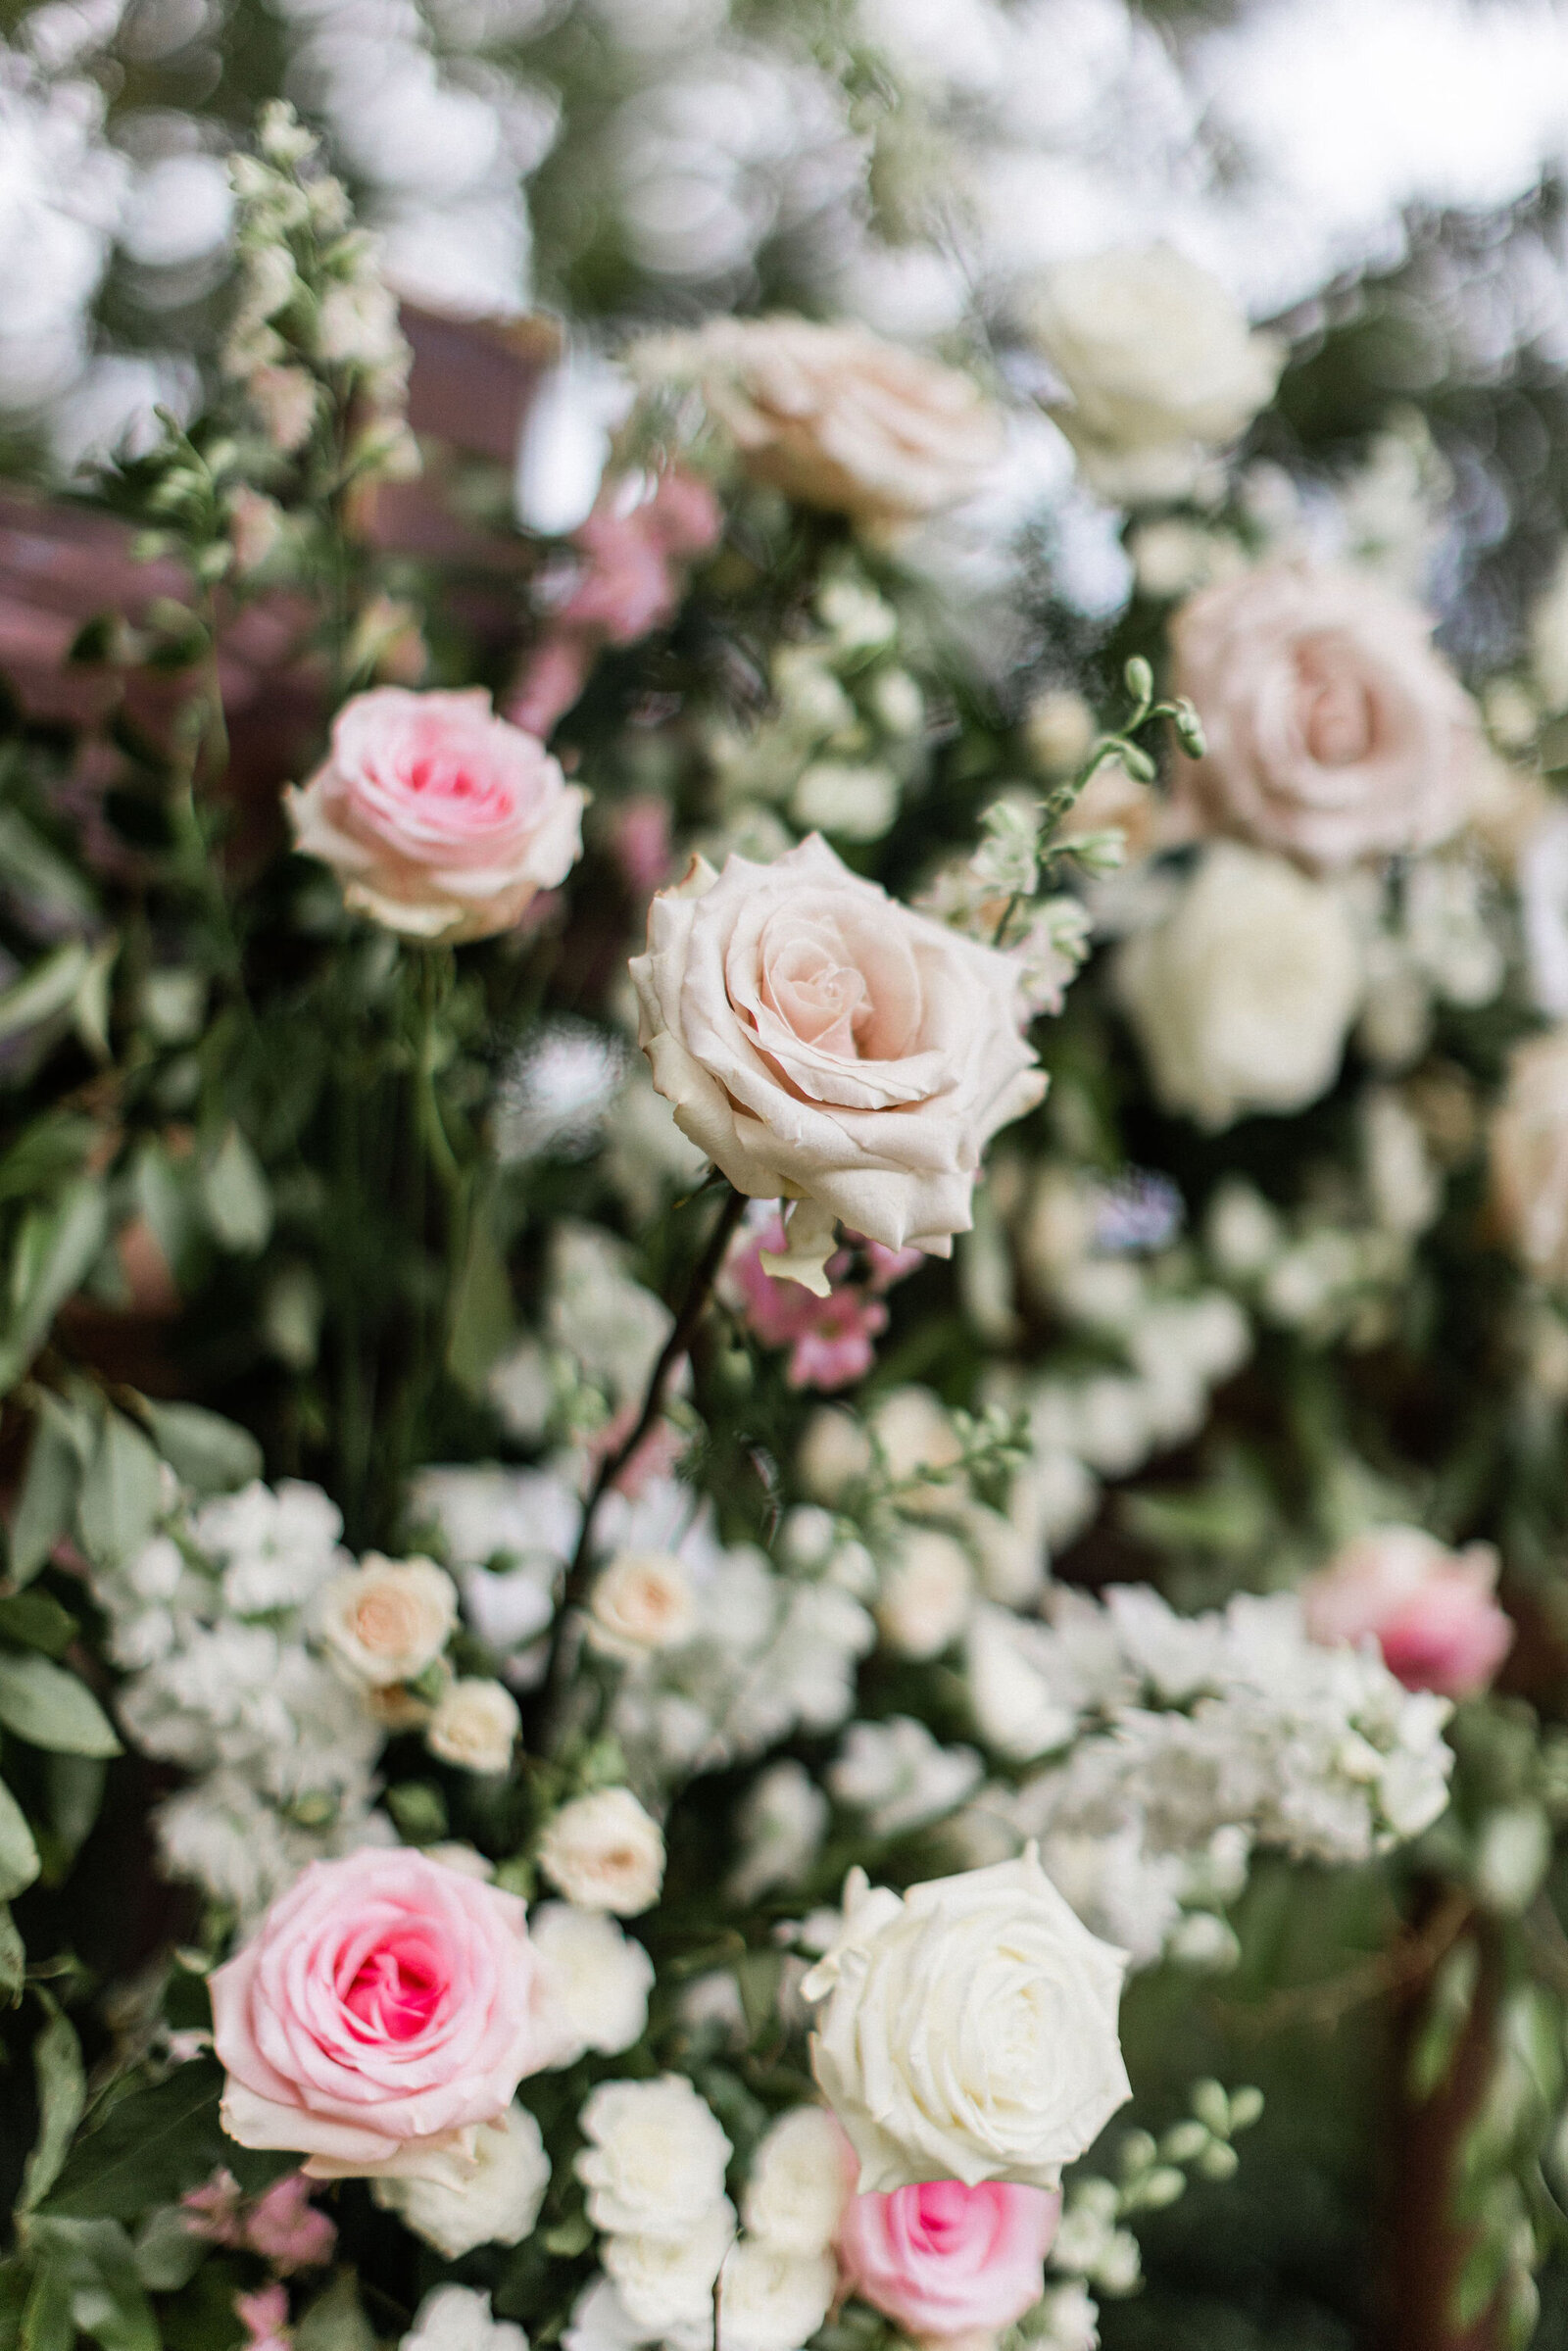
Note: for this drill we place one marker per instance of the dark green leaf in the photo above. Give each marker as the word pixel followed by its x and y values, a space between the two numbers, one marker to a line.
pixel 54 1253
pixel 50 1708
pixel 153 2146
pixel 62 2094
pixel 336 2320
pixel 47 2324
pixel 235 1195
pixel 108 2300
pixel 47 1502
pixel 36 1622
pixel 18 1855
pixel 13 1957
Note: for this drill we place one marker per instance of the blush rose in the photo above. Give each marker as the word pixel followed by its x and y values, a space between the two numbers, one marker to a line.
pixel 821 1042
pixel 1432 1611
pixel 1334 731
pixel 950 2265
pixel 384 2008
pixel 439 818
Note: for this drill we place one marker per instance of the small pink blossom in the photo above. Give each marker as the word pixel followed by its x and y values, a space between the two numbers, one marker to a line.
pixel 830 1338
pixel 951 2266
pixel 286 2229
pixel 264 2316
pixel 655 1457
pixel 641 841
pixel 1433 1612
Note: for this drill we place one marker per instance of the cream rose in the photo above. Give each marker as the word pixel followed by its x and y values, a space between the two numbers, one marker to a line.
pixel 439 818
pixel 770 2300
pixel 834 415
pixel 599 1977
pixel 1160 365
pixel 1530 1155
pixel 642 1601
pixel 1334 731
pixel 604 1852
pixel 821 1042
pixel 496 2204
pixel 801 2180
pixel 476 1725
pixel 386 1620
pixel 968 2028
pixel 656 2157
pixel 1243 997
pixel 926 1592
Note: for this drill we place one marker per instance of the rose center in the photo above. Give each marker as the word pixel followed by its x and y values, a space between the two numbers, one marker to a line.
pixel 1340 723
pixel 395 1991
pixel 827 1004
pixel 940 2215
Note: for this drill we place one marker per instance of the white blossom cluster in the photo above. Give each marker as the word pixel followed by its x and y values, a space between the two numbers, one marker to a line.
pixel 1181 1744
pixel 211 1616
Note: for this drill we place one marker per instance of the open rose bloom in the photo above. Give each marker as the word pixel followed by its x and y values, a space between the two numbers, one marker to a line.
pixel 439 819
pixel 836 415
pixel 823 1043
pixel 1334 731
pixel 950 2265
pixel 1433 1612
pixel 384 2008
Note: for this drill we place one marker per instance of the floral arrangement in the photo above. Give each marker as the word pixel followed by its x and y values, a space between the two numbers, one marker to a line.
pixel 764 1374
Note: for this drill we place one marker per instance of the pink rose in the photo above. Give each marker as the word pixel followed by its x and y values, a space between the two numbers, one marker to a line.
pixel 1432 1611
pixel 830 1338
pixel 1334 732
pixel 948 2264
pixel 384 2008
pixel 264 2316
pixel 439 818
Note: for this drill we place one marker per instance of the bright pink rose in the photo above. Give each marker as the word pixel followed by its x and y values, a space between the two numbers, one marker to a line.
pixel 438 818
pixel 830 1338
pixel 1433 1612
pixel 950 2265
pixel 384 2008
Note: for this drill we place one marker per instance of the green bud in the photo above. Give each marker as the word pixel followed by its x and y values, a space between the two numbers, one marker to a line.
pixel 1137 2153
pixel 1165 2185
pixel 1138 763
pixel 1212 2108
pixel 1184 2142
pixel 1140 680
pixel 1189 729
pixel 1218 2160
pixel 1246 2104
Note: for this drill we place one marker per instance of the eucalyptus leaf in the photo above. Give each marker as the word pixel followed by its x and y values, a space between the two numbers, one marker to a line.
pixel 18 1855
pixel 13 1957
pixel 236 1196
pixel 208 1453
pixel 108 2300
pixel 121 1493
pixel 51 1708
pixel 62 2094
pixel 47 989
pixel 34 1621
pixel 53 1255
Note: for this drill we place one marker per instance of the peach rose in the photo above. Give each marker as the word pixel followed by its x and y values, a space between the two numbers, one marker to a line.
pixel 437 817
pixel 1432 1611
pixel 1334 730
pixel 384 1621
pixel 384 2008
pixel 823 1043
pixel 1530 1155
pixel 950 2265
pixel 835 416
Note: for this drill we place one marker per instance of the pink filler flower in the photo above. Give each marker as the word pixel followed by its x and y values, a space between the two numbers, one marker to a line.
pixel 829 1338
pixel 1433 1612
pixel 281 2224
pixel 950 2265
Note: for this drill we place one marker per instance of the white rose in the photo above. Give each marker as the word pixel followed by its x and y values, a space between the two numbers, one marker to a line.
pixel 927 1592
pixel 835 416
pixel 604 1852
pixel 1334 731
pixel 1160 362
pixel 454 2318
pixel 600 1977
pixel 803 2176
pixel 968 2028
pixel 667 2281
pixel 1529 1148
pixel 475 1726
pixel 385 1620
pixel 498 2205
pixel 834 1453
pixel 770 2300
pixel 642 1601
pixel 822 1041
pixel 656 2157
pixel 779 1825
pixel 1243 996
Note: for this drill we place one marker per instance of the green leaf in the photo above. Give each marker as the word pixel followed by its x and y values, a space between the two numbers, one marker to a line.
pixel 18 1855
pixel 208 1453
pixel 47 2324
pixel 34 1621
pixel 108 2300
pixel 61 2095
pixel 48 1498
pixel 167 2253
pixel 50 1708
pixel 13 1957
pixel 336 2320
pixel 76 1795
pixel 48 989
pixel 121 1493
pixel 151 2146
pixel 40 876
pixel 53 1256
pixel 235 1195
